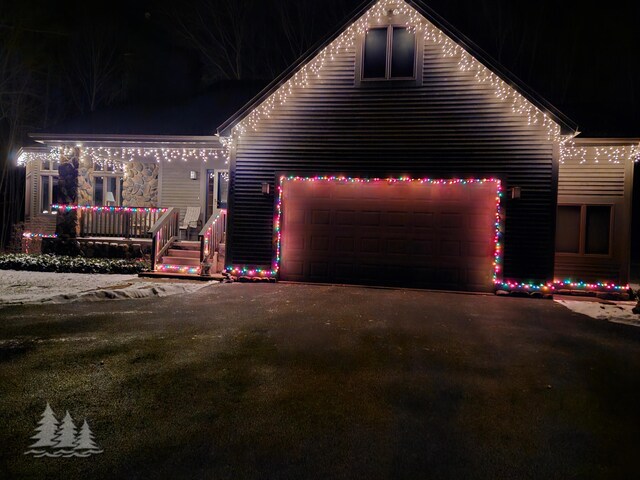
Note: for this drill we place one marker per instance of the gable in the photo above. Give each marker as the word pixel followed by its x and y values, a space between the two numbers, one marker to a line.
pixel 428 27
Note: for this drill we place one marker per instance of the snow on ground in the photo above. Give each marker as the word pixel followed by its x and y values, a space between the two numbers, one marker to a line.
pixel 21 288
pixel 615 312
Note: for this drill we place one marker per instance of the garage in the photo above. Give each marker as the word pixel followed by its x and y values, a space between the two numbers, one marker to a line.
pixel 425 234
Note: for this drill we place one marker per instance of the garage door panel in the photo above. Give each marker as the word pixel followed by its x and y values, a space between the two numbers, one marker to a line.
pixel 424 247
pixel 345 244
pixel 396 219
pixel 320 243
pixel 320 217
pixel 437 236
pixel 425 220
pixel 370 218
pixel 345 217
pixel 450 248
pixel 319 270
pixel 370 245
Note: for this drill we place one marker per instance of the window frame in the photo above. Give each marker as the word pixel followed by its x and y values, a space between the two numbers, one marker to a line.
pixel 52 201
pixel 119 186
pixel 582 234
pixel 418 52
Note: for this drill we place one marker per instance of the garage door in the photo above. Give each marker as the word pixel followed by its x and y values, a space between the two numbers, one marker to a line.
pixel 381 233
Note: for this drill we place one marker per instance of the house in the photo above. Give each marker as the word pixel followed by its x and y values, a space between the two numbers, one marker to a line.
pixel 394 153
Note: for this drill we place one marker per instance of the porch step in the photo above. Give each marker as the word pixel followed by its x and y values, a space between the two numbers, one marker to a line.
pixel 184 245
pixel 176 252
pixel 181 260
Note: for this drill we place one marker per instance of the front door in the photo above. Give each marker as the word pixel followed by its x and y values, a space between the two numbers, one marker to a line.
pixel 217 191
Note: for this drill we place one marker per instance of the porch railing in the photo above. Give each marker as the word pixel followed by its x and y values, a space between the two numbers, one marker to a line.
pixel 117 222
pixel 163 233
pixel 211 237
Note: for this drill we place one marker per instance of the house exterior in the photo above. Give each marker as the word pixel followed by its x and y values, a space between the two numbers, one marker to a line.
pixel 395 153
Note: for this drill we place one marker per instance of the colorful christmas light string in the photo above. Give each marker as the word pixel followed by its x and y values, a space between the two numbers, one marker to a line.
pixel 31 236
pixel 69 208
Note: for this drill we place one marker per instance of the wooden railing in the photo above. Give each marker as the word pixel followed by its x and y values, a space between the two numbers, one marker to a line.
pixel 118 222
pixel 163 233
pixel 212 235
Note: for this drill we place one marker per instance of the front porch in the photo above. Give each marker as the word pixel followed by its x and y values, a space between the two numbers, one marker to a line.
pixel 175 248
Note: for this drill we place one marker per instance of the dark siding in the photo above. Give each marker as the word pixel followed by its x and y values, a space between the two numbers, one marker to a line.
pixel 451 126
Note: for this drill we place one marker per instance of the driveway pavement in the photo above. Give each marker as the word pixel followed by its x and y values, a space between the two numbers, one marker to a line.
pixel 291 381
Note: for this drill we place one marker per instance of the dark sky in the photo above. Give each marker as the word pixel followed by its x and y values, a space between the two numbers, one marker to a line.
pixel 580 55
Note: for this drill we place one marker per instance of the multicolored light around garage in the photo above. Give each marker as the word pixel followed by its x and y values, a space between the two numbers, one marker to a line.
pixel 249 271
pixel 91 208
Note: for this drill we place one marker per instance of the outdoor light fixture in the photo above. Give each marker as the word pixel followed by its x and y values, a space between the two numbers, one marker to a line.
pixel 266 188
pixel 193 175
pixel 516 193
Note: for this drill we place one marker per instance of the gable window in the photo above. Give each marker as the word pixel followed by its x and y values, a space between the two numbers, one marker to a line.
pixel 584 229
pixel 389 54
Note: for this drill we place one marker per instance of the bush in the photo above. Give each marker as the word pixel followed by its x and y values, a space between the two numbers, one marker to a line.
pixel 62 264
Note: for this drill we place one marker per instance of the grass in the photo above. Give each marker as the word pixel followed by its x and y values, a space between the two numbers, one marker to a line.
pixel 279 400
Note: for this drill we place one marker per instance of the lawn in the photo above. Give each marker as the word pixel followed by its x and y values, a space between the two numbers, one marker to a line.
pixel 292 382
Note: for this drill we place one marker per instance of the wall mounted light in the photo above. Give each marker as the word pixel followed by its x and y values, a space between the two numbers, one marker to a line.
pixel 193 175
pixel 516 193
pixel 266 188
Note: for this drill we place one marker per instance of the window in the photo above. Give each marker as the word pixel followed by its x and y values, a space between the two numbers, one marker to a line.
pixel 48 192
pixel 27 196
pixel 598 225
pixel 107 190
pixel 50 165
pixel 389 54
pixel 584 229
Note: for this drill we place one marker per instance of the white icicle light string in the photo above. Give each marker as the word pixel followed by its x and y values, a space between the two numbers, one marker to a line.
pixel 417 23
pixel 119 156
pixel 601 154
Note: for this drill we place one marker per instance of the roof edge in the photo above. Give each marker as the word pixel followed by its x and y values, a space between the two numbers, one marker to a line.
pixel 567 125
pixel 128 140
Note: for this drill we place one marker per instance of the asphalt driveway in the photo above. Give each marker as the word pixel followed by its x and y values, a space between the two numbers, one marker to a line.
pixel 261 381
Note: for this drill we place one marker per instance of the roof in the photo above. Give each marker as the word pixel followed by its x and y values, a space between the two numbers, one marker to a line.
pixel 567 125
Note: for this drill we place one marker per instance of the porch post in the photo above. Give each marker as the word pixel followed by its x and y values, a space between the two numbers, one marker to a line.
pixel 67 222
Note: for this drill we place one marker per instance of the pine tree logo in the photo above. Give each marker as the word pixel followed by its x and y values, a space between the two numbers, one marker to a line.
pixel 62 439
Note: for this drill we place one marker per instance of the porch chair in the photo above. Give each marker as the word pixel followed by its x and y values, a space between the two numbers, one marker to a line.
pixel 191 221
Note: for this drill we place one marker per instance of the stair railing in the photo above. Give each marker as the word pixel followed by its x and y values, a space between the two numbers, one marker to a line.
pixel 212 235
pixel 163 234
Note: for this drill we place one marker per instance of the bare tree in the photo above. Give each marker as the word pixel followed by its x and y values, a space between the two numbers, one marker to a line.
pixel 94 73
pixel 20 103
pixel 220 31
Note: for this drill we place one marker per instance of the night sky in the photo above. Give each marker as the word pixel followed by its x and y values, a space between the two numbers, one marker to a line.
pixel 581 56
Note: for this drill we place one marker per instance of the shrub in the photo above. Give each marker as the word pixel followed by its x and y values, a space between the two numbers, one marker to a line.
pixel 62 264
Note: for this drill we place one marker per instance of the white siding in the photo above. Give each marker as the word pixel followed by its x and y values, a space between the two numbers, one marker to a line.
pixel 178 190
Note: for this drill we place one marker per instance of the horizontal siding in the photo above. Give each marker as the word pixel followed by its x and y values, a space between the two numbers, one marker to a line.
pixel 450 126
pixel 590 178
pixel 177 189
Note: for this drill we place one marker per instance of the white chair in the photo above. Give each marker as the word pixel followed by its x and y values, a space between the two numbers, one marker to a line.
pixel 191 221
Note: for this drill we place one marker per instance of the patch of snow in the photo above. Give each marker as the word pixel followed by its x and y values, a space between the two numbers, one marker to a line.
pixel 615 312
pixel 22 288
